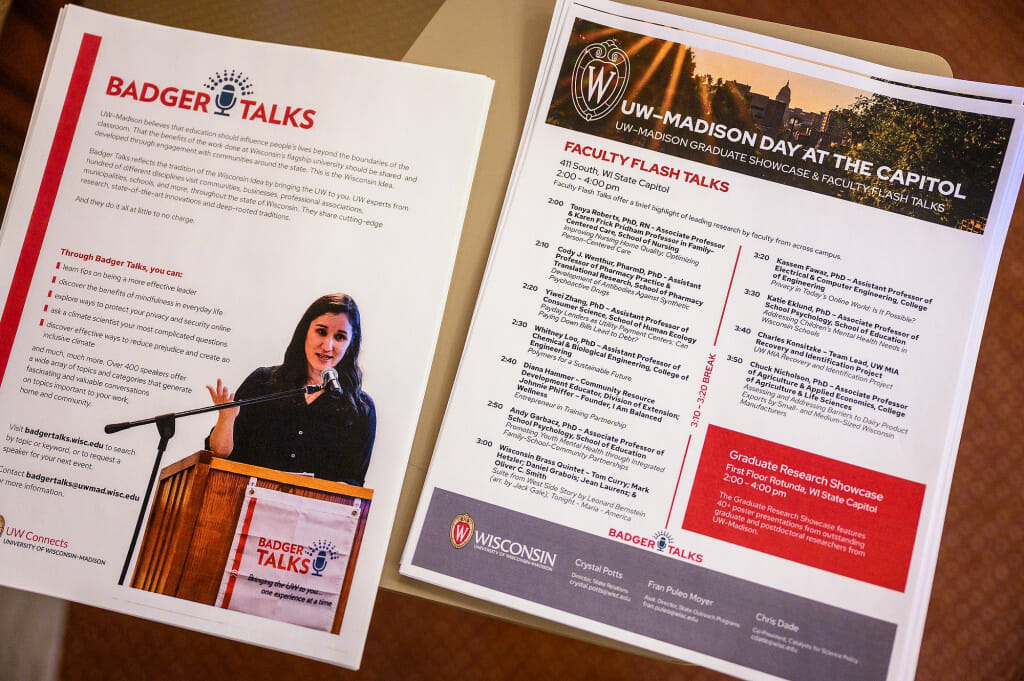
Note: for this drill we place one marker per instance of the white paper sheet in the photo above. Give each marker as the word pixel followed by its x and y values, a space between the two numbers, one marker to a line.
pixel 712 392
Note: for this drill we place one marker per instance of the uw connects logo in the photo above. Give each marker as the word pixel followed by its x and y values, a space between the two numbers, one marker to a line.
pixel 599 79
pixel 228 92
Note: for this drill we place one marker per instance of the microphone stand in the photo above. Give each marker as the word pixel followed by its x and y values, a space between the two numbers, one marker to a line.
pixel 165 427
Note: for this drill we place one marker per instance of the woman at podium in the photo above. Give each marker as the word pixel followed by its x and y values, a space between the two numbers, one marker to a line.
pixel 327 434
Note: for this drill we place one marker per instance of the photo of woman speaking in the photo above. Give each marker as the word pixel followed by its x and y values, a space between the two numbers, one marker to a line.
pixel 325 434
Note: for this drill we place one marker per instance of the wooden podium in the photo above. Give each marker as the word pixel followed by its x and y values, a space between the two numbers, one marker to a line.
pixel 195 509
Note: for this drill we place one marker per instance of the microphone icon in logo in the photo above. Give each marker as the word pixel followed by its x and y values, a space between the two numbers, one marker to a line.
pixel 322 551
pixel 226 99
pixel 661 540
pixel 320 562
pixel 229 86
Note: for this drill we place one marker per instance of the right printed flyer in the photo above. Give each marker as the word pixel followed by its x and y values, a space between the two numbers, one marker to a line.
pixel 713 390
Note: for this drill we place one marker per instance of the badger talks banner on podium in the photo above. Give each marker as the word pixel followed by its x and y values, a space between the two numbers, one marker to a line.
pixel 288 559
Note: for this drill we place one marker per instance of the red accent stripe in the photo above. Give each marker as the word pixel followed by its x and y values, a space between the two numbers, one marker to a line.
pixel 45 199
pixel 678 478
pixel 244 533
pixel 727 292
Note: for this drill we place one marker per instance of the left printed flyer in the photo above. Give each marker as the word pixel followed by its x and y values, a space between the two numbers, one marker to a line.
pixel 199 219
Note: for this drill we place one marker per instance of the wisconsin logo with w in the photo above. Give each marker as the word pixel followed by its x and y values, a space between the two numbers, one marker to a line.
pixel 599 79
pixel 461 530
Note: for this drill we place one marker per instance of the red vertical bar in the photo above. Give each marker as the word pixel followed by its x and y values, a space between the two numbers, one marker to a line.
pixel 229 589
pixel 678 479
pixel 47 196
pixel 728 291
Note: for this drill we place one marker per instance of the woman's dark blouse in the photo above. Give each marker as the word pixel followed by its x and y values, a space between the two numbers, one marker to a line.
pixel 324 438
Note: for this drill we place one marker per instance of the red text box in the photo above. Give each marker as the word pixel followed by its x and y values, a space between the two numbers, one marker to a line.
pixel 804 507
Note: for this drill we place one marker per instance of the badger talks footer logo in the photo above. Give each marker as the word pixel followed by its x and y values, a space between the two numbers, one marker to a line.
pixel 461 530
pixel 599 79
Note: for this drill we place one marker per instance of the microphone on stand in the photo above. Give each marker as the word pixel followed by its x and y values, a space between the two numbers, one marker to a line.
pixel 329 376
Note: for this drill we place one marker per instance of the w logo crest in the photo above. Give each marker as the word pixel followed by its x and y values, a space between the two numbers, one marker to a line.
pixel 599 80
pixel 461 530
